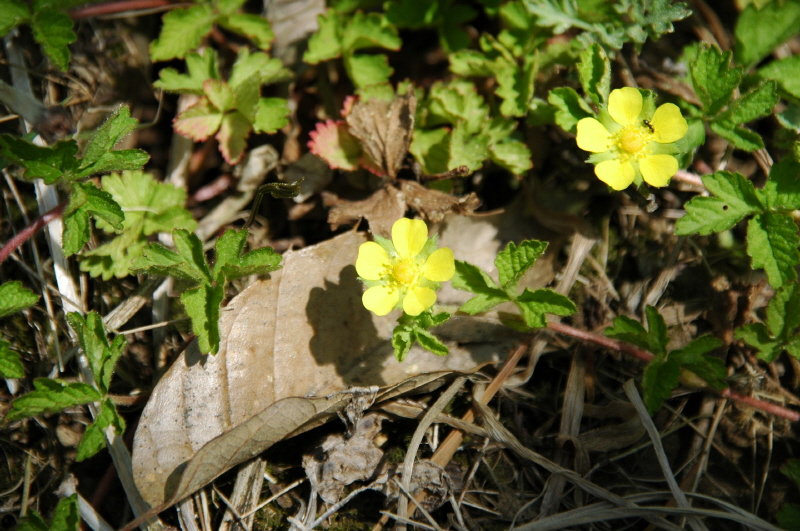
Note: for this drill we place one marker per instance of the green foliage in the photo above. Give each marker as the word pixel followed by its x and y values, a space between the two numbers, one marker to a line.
pixel 512 264
pixel 413 329
pixel 341 35
pixel 470 135
pixel 446 16
pixel 752 42
pixel 662 374
pixel 610 23
pixel 102 355
pixel 51 28
pixel 786 72
pixel 789 514
pixel 150 207
pixel 10 366
pixel 203 301
pixel 94 438
pixel 184 28
pixel 51 396
pixel 715 82
pixel 14 298
pixel 594 69
pixel 66 518
pixel 780 333
pixel 231 109
pixel 772 239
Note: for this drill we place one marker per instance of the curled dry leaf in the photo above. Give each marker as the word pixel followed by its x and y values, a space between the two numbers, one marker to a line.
pixel 433 204
pixel 300 335
pixel 381 209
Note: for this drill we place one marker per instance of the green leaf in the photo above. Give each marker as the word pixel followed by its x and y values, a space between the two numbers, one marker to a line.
pixel 741 138
pixel 713 78
pixel 513 261
pixel 431 343
pixel 535 304
pixel 735 199
pixel 471 63
pixel 473 279
pixel 66 518
pixel 230 263
pixel 594 70
pixel 254 27
pixel 403 338
pixel 757 336
pixel 257 67
pixel 783 311
pixel 87 200
pixel 12 14
pixel 788 517
pixel 232 136
pixel 94 438
pixel 431 148
pixel 772 243
pixel 219 94
pixel 189 262
pixel 15 298
pixel 752 42
pixel 326 43
pixel 202 305
pixel 33 521
pixel 98 156
pixel 51 396
pixel 693 358
pixel 370 31
pixel 53 164
pixel 102 355
pixel 786 72
pixel 656 331
pixel 512 155
pixel 467 149
pixel 182 31
pixel 199 67
pixel 756 103
pixel 272 114
pixel 10 366
pixel 365 70
pixel 199 121
pixel 629 330
pixel 570 108
pixel 781 192
pixel 659 379
pixel 53 30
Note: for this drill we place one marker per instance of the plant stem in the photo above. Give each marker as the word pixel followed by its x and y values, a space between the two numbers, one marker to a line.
pixel 30 230
pixel 644 355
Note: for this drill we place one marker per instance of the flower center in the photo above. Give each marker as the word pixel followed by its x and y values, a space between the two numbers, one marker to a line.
pixel 632 140
pixel 405 273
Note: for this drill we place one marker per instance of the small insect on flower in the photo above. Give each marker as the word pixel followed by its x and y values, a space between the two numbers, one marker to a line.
pixel 629 143
pixel 403 272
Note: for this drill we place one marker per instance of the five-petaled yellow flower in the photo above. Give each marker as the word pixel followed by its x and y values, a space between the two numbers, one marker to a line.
pixel 629 144
pixel 404 272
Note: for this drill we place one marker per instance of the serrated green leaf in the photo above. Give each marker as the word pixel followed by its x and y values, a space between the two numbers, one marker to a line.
pixel 629 330
pixel 740 137
pixel 473 279
pixel 199 68
pixel 326 42
pixel 471 63
pixel 713 78
pixel 781 192
pixel 772 243
pixel 219 94
pixel 535 304
pixel 735 199
pixel 258 67
pixel 191 250
pixel 67 515
pixel 272 114
pixel 752 42
pixel 431 148
pixel 52 164
pixel 756 103
pixel 51 396
pixel 513 261
pixel 570 108
pixel 457 101
pixel 230 263
pixel 76 230
pixel 12 14
pixel 757 336
pixel 693 358
pixel 10 366
pixel 15 298
pixel 370 31
pixel 94 438
pixel 659 379
pixel 365 70
pixel 467 149
pixel 783 311
pixel 182 31
pixel 431 343
pixel 512 155
pixel 33 521
pixel 657 330
pixel 102 355
pixel 160 261
pixel 53 31
pixel 232 136
pixel 402 340
pixel 199 121
pixel 594 70
pixel 99 157
pixel 254 27
pixel 786 72
pixel 202 306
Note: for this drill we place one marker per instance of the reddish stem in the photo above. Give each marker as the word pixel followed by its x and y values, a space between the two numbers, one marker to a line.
pixel 30 230
pixel 643 355
pixel 112 8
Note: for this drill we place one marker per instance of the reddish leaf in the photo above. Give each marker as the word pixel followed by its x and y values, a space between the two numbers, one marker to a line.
pixel 332 142
pixel 199 121
pixel 233 135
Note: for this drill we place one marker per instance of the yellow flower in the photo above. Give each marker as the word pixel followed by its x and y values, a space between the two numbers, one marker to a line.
pixel 631 144
pixel 404 272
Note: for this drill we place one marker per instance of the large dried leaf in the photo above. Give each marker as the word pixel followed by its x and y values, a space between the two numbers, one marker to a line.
pixel 384 129
pixel 433 204
pixel 300 335
pixel 381 209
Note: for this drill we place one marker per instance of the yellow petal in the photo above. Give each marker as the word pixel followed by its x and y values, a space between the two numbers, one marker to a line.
pixel 593 136
pixel 615 174
pixel 409 236
pixel 658 169
pixel 624 105
pixel 380 299
pixel 372 261
pixel 440 266
pixel 668 124
pixel 418 300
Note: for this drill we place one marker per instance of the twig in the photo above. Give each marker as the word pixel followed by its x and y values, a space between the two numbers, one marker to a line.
pixel 23 235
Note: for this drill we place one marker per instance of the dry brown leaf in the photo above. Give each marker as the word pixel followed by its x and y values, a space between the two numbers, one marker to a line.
pixel 433 204
pixel 381 209
pixel 384 129
pixel 302 333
